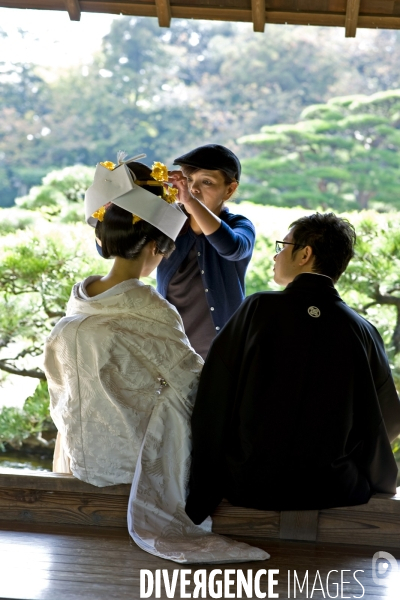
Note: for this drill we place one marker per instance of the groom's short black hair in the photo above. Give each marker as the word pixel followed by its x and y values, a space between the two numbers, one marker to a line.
pixel 331 238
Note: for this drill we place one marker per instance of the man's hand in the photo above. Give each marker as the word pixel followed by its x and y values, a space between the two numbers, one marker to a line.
pixel 180 182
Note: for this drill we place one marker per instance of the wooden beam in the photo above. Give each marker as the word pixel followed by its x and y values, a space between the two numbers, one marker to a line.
pixel 258 13
pixel 352 11
pixel 163 13
pixel 74 9
pixel 299 525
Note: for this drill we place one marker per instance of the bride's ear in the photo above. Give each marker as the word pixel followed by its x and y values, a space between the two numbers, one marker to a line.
pixel 153 248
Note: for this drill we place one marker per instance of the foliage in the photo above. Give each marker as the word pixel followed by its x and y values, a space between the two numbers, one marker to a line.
pixel 164 91
pixel 17 426
pixel 260 276
pixel 37 272
pixel 12 219
pixel 371 283
pixel 343 154
pixel 61 194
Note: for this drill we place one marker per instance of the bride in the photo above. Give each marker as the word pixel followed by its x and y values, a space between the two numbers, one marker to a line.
pixel 123 376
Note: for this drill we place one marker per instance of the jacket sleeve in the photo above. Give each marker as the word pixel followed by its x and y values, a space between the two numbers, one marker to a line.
pixel 212 414
pixel 235 240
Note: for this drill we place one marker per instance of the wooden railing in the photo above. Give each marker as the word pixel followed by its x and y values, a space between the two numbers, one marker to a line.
pixel 56 498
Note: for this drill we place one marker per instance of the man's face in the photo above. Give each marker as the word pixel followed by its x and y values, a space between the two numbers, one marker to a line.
pixel 286 269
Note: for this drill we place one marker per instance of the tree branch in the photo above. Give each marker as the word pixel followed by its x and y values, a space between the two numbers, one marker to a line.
pixel 365 308
pixel 385 299
pixel 36 373
pixel 55 313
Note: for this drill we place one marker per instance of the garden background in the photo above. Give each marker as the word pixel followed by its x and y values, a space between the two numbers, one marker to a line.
pixel 314 117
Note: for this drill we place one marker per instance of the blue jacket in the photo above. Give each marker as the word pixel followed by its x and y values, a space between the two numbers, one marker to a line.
pixel 223 258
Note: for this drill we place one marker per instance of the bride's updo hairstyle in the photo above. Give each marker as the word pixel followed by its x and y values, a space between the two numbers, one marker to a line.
pixel 120 236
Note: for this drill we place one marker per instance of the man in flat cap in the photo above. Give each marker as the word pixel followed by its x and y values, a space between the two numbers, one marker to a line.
pixel 205 277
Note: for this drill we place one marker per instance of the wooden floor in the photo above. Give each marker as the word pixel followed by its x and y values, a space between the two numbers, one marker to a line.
pixel 59 562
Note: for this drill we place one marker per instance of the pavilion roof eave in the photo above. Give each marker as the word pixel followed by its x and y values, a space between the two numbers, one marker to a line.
pixel 349 14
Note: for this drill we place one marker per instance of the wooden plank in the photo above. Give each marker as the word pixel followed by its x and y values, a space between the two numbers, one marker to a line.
pixel 375 523
pixel 35 4
pixel 120 8
pixel 74 10
pixel 299 525
pixel 59 563
pixel 42 506
pixel 163 13
pixel 352 12
pixel 377 22
pixel 56 498
pixel 295 14
pixel 249 522
pixel 60 482
pixel 307 18
pixel 258 14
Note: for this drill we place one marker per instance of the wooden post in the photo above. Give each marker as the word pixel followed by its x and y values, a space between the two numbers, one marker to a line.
pixel 352 11
pixel 163 12
pixel 258 14
pixel 74 9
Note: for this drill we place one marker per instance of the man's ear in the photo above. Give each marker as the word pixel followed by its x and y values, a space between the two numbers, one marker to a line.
pixel 305 256
pixel 231 189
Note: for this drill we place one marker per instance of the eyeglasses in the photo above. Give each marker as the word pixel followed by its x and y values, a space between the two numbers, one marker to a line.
pixel 279 246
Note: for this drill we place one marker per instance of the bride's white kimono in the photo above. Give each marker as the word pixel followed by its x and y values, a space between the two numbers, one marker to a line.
pixel 123 378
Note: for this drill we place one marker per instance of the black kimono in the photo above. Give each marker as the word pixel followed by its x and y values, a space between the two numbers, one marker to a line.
pixel 296 406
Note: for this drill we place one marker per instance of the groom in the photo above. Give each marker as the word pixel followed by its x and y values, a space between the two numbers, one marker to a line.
pixel 296 406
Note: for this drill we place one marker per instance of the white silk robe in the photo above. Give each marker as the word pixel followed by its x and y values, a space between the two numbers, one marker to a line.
pixel 122 378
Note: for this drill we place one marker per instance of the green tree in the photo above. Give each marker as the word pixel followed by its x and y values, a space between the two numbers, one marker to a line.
pixel 165 91
pixel 37 272
pixel 23 105
pixel 28 426
pixel 371 283
pixel 343 154
pixel 61 194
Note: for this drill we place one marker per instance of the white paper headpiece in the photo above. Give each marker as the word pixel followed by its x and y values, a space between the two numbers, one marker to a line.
pixel 118 186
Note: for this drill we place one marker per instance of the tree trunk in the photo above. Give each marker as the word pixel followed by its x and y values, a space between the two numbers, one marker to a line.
pixel 363 199
pixel 396 332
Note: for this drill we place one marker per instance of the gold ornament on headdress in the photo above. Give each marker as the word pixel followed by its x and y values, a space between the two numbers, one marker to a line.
pixel 159 174
pixel 99 214
pixel 171 194
pixel 108 165
pixel 159 171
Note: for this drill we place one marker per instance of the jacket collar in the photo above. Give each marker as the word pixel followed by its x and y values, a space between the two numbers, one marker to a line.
pixel 313 281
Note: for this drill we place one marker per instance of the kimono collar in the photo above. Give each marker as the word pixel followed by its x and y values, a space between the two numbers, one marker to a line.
pixel 313 281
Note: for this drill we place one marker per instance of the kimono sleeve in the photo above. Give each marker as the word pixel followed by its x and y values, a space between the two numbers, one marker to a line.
pixel 213 411
pixel 383 381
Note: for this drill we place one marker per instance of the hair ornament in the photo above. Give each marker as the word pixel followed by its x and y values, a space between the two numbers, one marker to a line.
pixel 99 214
pixel 170 194
pixel 108 165
pixel 159 171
